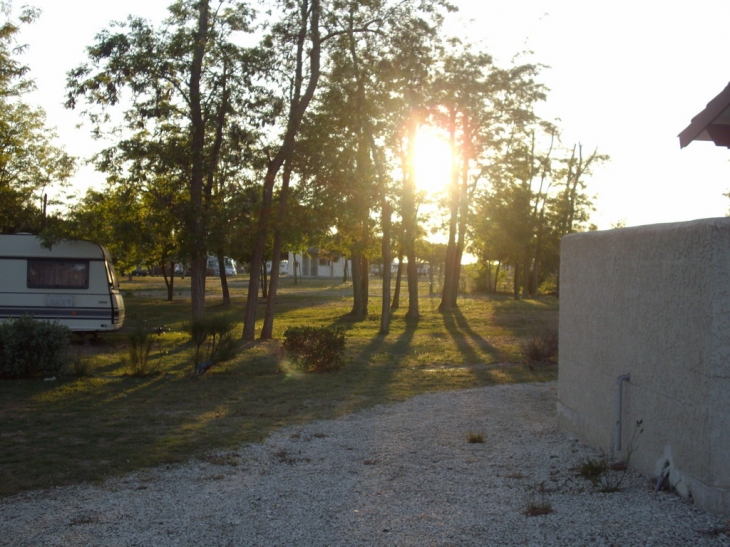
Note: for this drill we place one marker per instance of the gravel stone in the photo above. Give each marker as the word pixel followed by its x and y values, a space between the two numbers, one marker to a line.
pixel 396 475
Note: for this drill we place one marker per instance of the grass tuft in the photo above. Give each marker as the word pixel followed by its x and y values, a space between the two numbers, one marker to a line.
pixel 475 438
pixel 537 502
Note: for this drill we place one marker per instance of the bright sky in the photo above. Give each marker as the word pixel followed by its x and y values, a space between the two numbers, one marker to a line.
pixel 626 76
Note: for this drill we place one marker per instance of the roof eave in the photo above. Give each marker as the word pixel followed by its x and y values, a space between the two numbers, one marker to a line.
pixel 697 129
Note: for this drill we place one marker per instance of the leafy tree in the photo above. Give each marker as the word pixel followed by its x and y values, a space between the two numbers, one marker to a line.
pixel 485 110
pixel 179 85
pixel 535 198
pixel 29 161
pixel 356 126
pixel 299 38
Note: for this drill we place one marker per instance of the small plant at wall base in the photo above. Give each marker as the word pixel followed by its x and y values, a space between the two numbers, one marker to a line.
pixel 605 472
pixel 32 349
pixel 315 349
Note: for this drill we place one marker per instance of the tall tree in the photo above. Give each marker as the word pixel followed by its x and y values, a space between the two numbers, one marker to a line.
pixel 357 123
pixel 485 110
pixel 29 161
pixel 175 80
pixel 301 30
pixel 415 49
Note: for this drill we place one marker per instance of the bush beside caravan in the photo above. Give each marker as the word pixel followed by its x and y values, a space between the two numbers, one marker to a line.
pixel 73 283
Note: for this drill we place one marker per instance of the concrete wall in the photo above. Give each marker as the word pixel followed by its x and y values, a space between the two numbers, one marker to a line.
pixel 652 302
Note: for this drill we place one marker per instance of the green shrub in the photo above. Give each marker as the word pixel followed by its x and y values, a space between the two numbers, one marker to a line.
pixel 540 348
pixel 80 367
pixel 315 349
pixel 140 343
pixel 30 348
pixel 217 331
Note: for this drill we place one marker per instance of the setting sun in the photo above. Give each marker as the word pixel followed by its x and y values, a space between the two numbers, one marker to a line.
pixel 432 161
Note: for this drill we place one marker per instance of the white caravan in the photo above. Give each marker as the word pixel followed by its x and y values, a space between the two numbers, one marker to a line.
pixel 73 283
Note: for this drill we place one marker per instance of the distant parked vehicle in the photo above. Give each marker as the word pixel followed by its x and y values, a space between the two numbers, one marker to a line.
pixel 283 267
pixel 73 283
pixel 214 266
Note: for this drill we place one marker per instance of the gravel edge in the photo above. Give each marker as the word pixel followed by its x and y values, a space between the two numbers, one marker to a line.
pixel 395 475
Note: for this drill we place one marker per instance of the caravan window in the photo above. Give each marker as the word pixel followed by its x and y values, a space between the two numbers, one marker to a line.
pixel 58 274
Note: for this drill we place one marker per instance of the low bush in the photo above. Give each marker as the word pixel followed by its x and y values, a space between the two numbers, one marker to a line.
pixel 541 348
pixel 315 349
pixel 216 332
pixel 31 349
pixel 140 343
pixel 80 367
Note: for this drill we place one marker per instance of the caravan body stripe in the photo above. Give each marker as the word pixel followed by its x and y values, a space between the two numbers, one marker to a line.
pixel 55 313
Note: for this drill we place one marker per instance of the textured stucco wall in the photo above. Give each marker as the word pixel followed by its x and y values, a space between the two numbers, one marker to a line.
pixel 652 302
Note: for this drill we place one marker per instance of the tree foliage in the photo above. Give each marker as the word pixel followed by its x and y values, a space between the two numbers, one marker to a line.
pixel 30 162
pixel 189 94
pixel 307 139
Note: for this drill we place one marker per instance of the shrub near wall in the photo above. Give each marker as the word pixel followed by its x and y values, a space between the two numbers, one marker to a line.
pixel 30 348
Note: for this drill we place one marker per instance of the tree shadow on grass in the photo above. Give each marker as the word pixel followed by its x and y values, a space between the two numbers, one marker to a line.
pixel 473 347
pixel 378 362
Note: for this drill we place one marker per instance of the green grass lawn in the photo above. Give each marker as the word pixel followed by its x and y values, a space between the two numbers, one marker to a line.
pixel 89 428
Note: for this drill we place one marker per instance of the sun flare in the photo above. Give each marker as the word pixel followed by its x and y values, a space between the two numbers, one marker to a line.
pixel 432 161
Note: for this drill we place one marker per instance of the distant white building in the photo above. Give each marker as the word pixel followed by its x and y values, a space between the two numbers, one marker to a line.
pixel 310 264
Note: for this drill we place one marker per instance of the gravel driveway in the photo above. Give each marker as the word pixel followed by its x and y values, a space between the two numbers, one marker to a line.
pixel 399 475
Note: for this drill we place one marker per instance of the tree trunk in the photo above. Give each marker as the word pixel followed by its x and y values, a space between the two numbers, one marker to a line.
pixel 412 276
pixel 449 266
pixel 448 288
pixel 198 225
pixel 463 213
pixel 263 281
pixel 516 281
pixel 267 331
pixel 169 281
pixel 431 266
pixel 526 279
pixel 298 106
pixel 489 276
pixel 224 280
pixel 496 276
pixel 385 222
pixel 409 222
pixel 457 273
pixel 398 278
pixel 365 282
pixel 345 273
pixel 538 253
pixel 359 306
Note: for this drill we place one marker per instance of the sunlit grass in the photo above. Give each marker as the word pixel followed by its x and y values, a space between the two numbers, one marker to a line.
pixel 86 429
